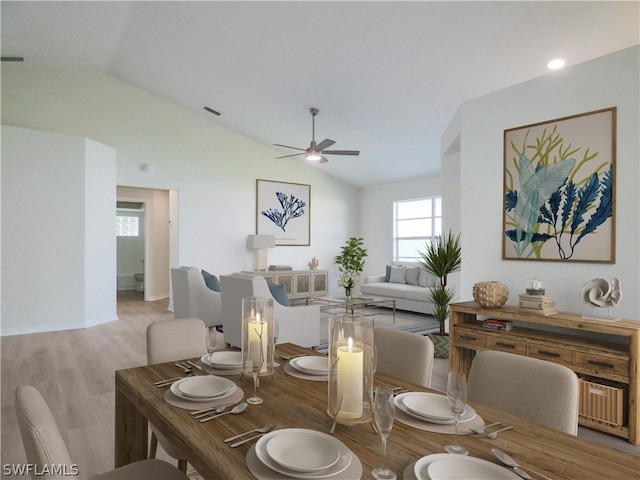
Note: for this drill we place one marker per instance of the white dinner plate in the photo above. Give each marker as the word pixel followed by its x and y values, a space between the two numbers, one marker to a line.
pixel 208 386
pixel 224 360
pixel 312 365
pixel 429 405
pixel 303 451
pixel 262 454
pixel 446 466
pixel 469 412
pixel 178 393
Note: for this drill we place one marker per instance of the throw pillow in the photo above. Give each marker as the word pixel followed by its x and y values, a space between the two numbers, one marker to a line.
pixel 211 281
pixel 279 294
pixel 387 275
pixel 398 274
pixel 412 275
pixel 423 279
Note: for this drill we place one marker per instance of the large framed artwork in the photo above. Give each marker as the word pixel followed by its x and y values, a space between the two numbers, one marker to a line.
pixel 283 210
pixel 559 189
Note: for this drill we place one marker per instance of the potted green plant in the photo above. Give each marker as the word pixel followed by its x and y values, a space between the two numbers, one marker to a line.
pixel 350 264
pixel 440 258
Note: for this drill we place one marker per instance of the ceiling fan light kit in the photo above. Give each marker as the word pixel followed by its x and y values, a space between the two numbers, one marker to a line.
pixel 316 151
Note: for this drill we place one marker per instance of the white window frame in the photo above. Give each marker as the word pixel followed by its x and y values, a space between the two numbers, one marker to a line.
pixel 434 217
pixel 127 231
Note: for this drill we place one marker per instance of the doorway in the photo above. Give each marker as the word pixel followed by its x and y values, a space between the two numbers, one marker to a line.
pixel 154 250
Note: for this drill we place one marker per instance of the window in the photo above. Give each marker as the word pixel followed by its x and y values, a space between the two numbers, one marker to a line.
pixel 127 226
pixel 415 223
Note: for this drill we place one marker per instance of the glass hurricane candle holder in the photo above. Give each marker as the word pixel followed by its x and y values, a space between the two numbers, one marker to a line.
pixel 351 368
pixel 257 327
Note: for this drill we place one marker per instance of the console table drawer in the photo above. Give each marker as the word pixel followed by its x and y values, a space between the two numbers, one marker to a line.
pixel 551 353
pixel 469 337
pixel 507 344
pixel 601 364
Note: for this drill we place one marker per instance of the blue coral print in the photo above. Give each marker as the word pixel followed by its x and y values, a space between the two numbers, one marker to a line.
pixel 292 207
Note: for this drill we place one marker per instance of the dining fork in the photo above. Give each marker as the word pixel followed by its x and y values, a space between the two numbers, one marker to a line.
pixel 167 381
pixel 247 440
pixel 187 368
pixel 493 435
pixel 264 429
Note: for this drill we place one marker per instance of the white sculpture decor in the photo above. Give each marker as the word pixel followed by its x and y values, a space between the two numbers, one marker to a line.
pixel 602 294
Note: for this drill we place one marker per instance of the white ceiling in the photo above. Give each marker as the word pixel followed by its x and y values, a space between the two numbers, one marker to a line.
pixel 388 77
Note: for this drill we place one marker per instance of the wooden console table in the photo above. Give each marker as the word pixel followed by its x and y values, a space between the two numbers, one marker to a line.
pixel 612 354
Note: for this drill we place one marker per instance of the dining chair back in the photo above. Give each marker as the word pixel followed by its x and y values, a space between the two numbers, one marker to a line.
pixel 538 390
pixel 48 453
pixel 405 355
pixel 168 341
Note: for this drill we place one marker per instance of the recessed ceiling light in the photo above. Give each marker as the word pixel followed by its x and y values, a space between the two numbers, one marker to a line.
pixel 555 64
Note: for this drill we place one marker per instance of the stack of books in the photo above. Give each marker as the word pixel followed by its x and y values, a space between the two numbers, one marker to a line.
pixel 543 304
pixel 493 324
pixel 279 268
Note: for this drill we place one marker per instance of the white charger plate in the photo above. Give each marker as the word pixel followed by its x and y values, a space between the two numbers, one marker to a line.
pixel 312 365
pixel 430 405
pixel 178 393
pixel 459 467
pixel 341 465
pixel 469 412
pixel 208 386
pixel 224 360
pixel 303 451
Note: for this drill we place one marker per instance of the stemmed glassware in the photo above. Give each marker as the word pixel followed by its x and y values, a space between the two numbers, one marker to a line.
pixel 256 358
pixel 383 410
pixel 211 345
pixel 457 397
pixel 276 331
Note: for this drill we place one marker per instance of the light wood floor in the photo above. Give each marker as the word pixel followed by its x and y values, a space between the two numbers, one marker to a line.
pixel 74 370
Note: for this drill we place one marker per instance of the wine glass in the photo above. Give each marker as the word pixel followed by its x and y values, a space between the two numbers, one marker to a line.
pixel 383 410
pixel 211 345
pixel 276 332
pixel 256 358
pixel 457 398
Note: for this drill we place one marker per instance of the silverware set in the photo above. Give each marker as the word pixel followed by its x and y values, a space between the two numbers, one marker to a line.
pixel 169 381
pixel 263 431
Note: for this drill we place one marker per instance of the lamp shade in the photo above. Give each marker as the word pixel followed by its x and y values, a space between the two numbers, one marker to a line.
pixel 261 241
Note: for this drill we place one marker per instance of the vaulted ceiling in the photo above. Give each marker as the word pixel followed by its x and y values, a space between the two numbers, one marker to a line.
pixel 387 77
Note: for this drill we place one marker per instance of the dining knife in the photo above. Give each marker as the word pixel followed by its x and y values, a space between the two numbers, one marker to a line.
pixel 195 365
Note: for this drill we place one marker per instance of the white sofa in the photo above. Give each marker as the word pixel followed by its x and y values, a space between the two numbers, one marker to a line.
pixel 413 296
pixel 192 298
pixel 297 324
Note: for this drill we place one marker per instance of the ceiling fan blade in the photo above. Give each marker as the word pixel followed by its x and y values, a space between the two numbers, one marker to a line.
pixel 341 152
pixel 288 146
pixel 323 159
pixel 292 155
pixel 326 143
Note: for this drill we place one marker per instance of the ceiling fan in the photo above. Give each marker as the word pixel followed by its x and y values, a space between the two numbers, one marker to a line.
pixel 316 151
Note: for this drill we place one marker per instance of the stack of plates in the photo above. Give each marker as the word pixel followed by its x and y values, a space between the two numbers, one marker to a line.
pixel 302 453
pixel 203 388
pixel 445 466
pixel 311 365
pixel 430 407
pixel 224 360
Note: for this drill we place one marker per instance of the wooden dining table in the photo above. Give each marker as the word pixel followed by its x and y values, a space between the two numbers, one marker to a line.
pixel 292 402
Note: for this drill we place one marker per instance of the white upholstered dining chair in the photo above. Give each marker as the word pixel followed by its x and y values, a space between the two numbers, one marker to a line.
pixel 404 355
pixel 538 390
pixel 168 341
pixel 44 445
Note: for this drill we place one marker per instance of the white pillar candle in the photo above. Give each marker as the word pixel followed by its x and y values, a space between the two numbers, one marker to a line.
pixel 349 380
pixel 258 332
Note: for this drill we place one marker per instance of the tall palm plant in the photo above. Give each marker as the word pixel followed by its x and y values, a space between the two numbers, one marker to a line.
pixel 440 258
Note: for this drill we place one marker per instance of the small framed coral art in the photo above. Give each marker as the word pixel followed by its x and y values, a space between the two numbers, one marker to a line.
pixel 283 210
pixel 559 189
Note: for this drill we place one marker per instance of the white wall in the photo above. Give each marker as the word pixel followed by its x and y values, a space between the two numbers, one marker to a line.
pixel 214 170
pixel 605 82
pixel 376 218
pixel 55 254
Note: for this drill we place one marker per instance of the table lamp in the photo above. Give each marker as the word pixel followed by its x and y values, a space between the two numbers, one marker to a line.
pixel 261 243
